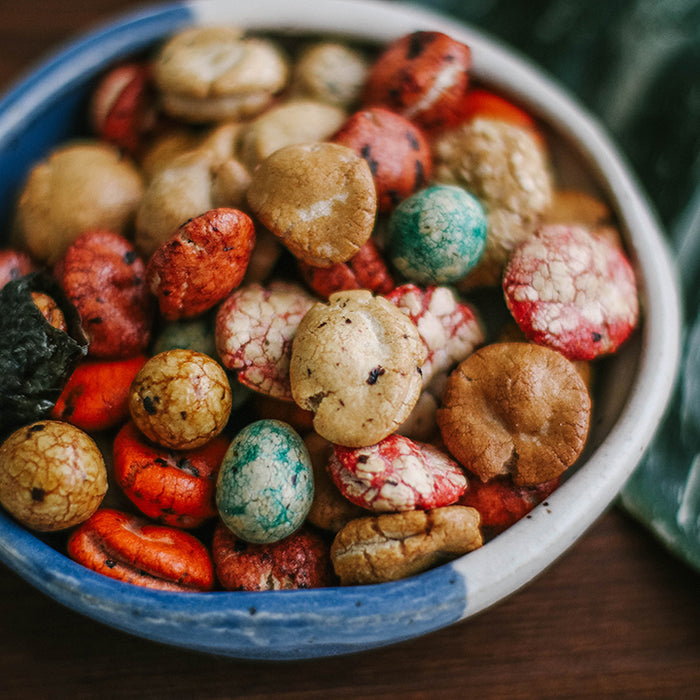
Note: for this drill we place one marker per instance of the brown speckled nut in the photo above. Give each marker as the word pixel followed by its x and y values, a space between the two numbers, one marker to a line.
pixel 356 364
pixel 515 408
pixel 180 399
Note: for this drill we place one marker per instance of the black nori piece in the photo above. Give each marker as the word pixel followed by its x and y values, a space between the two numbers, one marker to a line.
pixel 36 359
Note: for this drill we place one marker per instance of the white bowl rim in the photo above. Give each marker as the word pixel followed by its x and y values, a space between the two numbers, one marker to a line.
pixel 526 549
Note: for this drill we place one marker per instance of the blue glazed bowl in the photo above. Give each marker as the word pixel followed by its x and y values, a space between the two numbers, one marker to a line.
pixel 47 107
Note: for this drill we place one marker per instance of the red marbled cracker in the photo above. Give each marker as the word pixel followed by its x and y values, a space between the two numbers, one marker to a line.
pixel 448 327
pixel 255 327
pixel 396 474
pixel 573 291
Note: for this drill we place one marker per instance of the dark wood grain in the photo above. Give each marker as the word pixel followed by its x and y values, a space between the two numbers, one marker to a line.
pixel 616 616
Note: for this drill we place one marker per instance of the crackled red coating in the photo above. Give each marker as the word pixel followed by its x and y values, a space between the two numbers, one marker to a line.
pixel 174 487
pixel 255 328
pixel 129 548
pixel 572 290
pixel 202 263
pixel 301 560
pixel 448 327
pixel 396 474
pixel 105 278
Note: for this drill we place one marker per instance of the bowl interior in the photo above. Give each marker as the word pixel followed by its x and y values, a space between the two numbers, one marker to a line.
pixel 49 106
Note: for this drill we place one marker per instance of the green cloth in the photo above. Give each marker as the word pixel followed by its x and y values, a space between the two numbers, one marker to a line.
pixel 635 64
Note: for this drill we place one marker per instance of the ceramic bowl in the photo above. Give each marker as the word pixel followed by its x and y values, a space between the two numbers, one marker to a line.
pixel 45 107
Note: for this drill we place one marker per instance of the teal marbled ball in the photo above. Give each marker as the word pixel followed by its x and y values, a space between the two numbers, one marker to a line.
pixel 437 235
pixel 265 484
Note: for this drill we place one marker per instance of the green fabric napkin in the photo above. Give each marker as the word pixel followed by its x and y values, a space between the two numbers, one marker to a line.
pixel 635 64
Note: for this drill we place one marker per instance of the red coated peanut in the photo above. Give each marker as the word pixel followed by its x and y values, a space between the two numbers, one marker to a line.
pixel 104 277
pixel 422 76
pixel 301 560
pixel 202 263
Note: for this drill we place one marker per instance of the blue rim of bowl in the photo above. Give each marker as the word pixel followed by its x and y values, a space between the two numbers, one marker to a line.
pixel 324 622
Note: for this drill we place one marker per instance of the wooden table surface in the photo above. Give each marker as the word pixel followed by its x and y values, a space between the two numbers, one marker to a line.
pixel 616 616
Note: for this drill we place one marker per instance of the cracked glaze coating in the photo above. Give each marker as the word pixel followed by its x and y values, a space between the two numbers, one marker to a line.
pixel 397 474
pixel 572 290
pixel 180 399
pixel 255 327
pixel 265 484
pixel 52 475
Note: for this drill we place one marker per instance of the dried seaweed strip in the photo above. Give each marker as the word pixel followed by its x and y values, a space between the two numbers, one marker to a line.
pixel 36 359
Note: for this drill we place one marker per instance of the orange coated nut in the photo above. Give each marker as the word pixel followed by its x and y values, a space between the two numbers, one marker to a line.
pixel 515 408
pixel 501 503
pixel 488 105
pixel 202 263
pixel 52 476
pixel 128 548
pixel 96 396
pixel 301 560
pixel 174 487
pixel 180 399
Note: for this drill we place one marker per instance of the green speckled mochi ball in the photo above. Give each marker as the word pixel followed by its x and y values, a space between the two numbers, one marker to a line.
pixel 265 484
pixel 437 235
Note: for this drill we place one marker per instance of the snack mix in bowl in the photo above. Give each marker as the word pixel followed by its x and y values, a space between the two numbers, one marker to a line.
pixel 300 313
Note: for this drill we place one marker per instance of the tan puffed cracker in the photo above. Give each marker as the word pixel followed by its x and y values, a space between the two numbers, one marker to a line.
pixel 356 365
pixel 214 73
pixel 318 198
pixel 397 545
